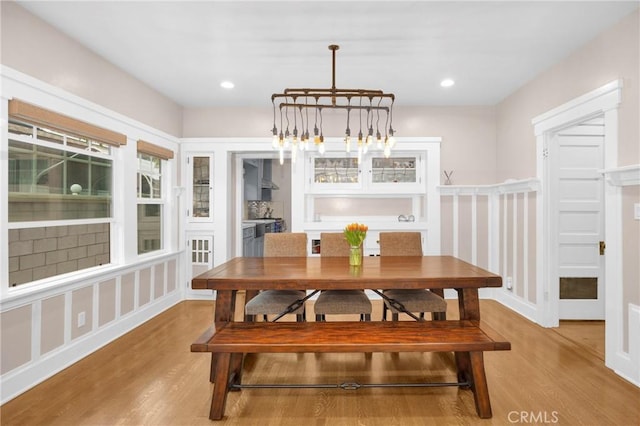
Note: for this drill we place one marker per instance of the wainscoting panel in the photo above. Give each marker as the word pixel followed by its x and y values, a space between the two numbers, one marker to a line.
pixel 43 334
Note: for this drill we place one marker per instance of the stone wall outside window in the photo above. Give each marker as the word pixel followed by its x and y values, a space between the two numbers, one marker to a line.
pixel 37 253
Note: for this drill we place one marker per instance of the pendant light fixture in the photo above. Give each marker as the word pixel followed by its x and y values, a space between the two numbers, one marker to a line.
pixel 294 106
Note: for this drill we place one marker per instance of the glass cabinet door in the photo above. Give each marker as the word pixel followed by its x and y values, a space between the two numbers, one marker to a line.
pixel 393 170
pixel 343 175
pixel 334 173
pixel 201 187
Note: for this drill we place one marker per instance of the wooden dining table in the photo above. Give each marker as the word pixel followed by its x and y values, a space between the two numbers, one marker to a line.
pixel 228 339
pixel 316 273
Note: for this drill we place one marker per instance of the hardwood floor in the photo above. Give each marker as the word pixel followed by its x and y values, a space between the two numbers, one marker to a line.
pixel 588 334
pixel 149 377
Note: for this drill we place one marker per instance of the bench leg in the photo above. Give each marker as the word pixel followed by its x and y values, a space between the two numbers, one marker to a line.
pixel 471 369
pixel 479 387
pixel 463 364
pixel 236 369
pixel 221 386
pixel 212 370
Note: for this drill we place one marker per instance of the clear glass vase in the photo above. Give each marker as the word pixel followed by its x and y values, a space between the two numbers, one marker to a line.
pixel 355 255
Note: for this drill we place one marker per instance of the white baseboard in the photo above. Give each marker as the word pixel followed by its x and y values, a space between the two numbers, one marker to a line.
pixel 515 303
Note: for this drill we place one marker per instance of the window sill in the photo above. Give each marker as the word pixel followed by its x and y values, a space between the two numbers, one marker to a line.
pixel 24 197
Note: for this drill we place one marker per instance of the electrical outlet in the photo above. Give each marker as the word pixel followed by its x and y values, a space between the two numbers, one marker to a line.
pixel 81 319
pixel 636 211
pixel 509 283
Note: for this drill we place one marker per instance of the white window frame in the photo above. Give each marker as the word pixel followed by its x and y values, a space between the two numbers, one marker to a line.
pixel 33 140
pixel 162 201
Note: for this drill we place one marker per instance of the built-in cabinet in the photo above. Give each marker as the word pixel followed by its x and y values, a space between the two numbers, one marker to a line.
pixel 200 190
pixel 337 173
pixel 398 193
pixel 201 253
pixel 199 182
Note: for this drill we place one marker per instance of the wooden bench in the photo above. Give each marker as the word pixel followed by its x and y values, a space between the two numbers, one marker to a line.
pixel 230 340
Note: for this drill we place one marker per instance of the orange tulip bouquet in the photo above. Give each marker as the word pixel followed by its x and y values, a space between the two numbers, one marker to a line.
pixel 355 233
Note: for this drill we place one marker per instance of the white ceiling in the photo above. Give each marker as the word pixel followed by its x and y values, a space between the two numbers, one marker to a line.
pixel 185 49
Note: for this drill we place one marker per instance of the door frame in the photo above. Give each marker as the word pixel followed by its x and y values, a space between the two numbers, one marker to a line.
pixel 604 102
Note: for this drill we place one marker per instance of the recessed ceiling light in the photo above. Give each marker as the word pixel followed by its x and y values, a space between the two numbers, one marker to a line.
pixel 227 85
pixel 447 82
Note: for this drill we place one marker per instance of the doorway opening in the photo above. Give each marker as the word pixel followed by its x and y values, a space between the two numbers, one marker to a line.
pixel 600 105
pixel 262 201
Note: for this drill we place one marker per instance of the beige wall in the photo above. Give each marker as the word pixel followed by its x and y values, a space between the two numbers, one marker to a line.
pixel 15 337
pixel 33 47
pixel 612 55
pixel 52 323
pixel 107 298
pixel 468 133
pixel 144 286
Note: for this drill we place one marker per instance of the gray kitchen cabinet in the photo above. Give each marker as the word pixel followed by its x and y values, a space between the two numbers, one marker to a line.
pixel 248 241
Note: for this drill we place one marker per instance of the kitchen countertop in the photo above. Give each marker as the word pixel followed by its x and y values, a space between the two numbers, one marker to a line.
pixel 246 225
pixel 254 221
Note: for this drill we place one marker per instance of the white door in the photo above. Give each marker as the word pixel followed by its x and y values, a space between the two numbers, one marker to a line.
pixel 577 154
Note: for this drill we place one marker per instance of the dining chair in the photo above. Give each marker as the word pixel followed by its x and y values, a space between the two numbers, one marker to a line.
pixel 270 302
pixel 414 300
pixel 339 302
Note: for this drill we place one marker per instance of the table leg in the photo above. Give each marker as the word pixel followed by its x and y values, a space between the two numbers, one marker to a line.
pixel 225 307
pixel 468 304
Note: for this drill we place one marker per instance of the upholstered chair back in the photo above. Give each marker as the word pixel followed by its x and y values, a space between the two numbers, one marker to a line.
pixel 333 244
pixel 285 244
pixel 400 244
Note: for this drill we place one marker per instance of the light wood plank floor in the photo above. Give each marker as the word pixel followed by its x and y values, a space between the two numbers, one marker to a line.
pixel 149 377
pixel 588 334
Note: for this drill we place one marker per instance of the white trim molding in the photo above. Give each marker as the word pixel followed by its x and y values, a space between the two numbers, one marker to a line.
pixel 600 100
pixel 623 176
pixel 509 186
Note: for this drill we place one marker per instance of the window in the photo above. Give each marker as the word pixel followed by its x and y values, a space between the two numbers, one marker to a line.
pixel 60 198
pixel 51 183
pixel 150 203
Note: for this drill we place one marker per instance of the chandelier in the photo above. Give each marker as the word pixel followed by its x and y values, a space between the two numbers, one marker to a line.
pixel 372 106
